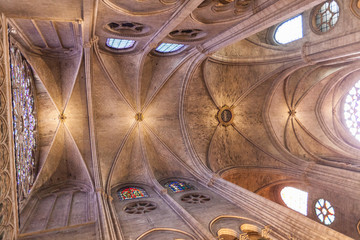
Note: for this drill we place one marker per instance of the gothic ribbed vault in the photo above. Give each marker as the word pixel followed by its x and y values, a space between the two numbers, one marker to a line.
pixel 286 102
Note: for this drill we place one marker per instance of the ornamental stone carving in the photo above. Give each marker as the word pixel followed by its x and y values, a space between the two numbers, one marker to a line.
pixel 187 34
pixel 210 12
pixel 128 29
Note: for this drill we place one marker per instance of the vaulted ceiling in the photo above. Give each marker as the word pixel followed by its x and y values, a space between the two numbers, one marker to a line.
pixel 287 107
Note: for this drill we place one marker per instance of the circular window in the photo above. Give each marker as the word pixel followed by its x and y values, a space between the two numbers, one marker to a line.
pixel 195 198
pixel 324 211
pixel 326 16
pixel 352 110
pixel 140 207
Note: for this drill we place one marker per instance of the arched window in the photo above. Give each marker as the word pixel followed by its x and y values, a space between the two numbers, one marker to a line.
pixel 169 47
pixel 352 110
pixel 295 199
pixel 24 122
pixel 131 193
pixel 289 30
pixel 119 43
pixel 179 186
pixel 326 16
pixel 324 211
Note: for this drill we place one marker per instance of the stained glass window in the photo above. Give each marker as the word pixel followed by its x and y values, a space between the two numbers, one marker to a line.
pixel 289 30
pixel 327 16
pixel 324 211
pixel 179 186
pixel 24 122
pixel 169 47
pixel 352 110
pixel 295 199
pixel 119 43
pixel 132 193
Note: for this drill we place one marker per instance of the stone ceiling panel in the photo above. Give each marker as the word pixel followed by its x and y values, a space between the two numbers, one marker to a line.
pixel 199 114
pixel 113 119
pixel 128 165
pixel 162 115
pixel 76 117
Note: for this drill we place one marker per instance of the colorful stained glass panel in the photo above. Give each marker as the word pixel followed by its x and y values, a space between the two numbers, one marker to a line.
pixel 179 186
pixel 324 211
pixel 119 43
pixel 24 122
pixel 132 193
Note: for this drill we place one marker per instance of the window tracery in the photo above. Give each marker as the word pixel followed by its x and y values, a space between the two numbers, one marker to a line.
pixel 140 207
pixel 324 211
pixel 128 29
pixel 132 193
pixel 289 31
pixel 195 198
pixel 326 16
pixel 352 110
pixel 295 199
pixel 187 34
pixel 24 122
pixel 179 186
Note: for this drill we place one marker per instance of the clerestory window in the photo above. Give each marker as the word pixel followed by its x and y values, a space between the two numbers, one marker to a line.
pixel 352 110
pixel 169 47
pixel 119 44
pixel 176 186
pixel 326 16
pixel 289 31
pixel 132 193
pixel 295 199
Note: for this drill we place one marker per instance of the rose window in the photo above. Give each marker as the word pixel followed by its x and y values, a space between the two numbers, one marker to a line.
pixel 24 122
pixel 324 211
pixel 326 16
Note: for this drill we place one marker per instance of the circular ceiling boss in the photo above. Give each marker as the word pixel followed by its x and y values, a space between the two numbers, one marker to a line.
pixel 225 116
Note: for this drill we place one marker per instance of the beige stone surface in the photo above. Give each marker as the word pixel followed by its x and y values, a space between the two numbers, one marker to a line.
pixel 288 127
